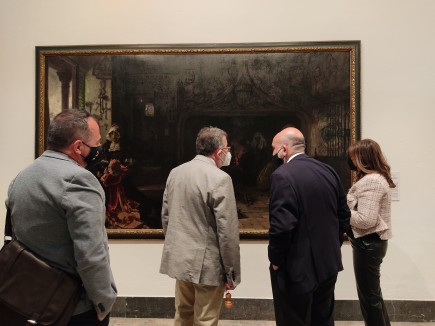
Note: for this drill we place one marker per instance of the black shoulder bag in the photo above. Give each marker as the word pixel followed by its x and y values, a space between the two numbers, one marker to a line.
pixel 31 291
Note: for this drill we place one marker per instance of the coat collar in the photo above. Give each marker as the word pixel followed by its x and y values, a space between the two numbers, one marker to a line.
pixel 58 156
pixel 296 155
pixel 205 159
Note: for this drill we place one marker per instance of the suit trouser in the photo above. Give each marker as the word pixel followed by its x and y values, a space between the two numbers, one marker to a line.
pixel 313 308
pixel 368 253
pixel 197 304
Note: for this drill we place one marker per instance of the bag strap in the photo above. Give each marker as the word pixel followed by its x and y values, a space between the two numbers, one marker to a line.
pixel 8 227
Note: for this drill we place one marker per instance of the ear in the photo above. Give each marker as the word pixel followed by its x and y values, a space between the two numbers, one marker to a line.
pixel 216 153
pixel 286 152
pixel 76 146
pixel 215 156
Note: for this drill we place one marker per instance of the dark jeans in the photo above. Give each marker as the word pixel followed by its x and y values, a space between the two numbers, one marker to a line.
pixel 88 318
pixel 368 253
pixel 314 308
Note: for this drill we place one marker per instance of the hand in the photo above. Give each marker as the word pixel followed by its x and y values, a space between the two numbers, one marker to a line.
pixel 229 286
pixel 275 267
pixel 100 317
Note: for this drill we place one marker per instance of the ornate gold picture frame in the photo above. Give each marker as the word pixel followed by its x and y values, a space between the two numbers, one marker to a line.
pixel 151 101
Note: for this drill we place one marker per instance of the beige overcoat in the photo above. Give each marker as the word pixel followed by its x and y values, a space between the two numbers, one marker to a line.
pixel 199 217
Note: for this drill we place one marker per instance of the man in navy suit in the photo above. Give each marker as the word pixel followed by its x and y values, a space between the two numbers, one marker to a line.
pixel 308 216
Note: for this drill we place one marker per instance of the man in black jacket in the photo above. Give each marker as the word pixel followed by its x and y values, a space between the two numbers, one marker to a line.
pixel 308 216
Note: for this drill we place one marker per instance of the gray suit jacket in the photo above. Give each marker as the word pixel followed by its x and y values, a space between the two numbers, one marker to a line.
pixel 199 217
pixel 58 212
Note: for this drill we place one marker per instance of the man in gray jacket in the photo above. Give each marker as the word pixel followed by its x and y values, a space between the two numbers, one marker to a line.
pixel 199 218
pixel 57 210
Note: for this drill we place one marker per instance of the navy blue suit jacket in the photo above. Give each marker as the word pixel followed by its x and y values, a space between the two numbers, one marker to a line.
pixel 308 215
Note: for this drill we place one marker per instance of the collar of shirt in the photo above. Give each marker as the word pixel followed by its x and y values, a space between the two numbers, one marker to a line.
pixel 294 155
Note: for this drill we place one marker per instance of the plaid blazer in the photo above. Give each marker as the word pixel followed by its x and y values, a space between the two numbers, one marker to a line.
pixel 369 200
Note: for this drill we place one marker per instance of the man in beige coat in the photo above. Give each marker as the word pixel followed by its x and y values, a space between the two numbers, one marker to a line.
pixel 199 218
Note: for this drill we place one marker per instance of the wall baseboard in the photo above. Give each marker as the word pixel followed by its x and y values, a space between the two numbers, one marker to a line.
pixel 262 309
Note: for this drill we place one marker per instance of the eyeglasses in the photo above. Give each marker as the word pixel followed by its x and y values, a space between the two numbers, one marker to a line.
pixel 89 145
pixel 86 144
pixel 279 150
pixel 228 148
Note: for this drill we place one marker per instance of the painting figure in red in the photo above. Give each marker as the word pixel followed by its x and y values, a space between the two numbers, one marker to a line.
pixel 121 212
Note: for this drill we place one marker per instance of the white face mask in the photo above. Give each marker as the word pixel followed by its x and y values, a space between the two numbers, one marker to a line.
pixel 227 160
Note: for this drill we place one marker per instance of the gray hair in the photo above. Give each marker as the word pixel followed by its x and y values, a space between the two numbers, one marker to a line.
pixel 66 127
pixel 208 140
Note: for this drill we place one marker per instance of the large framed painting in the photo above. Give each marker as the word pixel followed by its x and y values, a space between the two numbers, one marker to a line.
pixel 151 101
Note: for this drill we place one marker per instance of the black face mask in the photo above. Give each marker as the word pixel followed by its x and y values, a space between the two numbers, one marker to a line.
pixel 276 160
pixel 95 154
pixel 351 165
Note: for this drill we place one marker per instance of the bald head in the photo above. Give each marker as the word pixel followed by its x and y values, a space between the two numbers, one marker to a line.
pixel 288 142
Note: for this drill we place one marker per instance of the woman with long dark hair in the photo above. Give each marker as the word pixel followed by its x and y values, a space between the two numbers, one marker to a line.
pixel 369 200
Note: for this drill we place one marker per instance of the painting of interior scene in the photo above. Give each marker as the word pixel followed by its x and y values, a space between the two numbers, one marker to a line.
pixel 150 107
